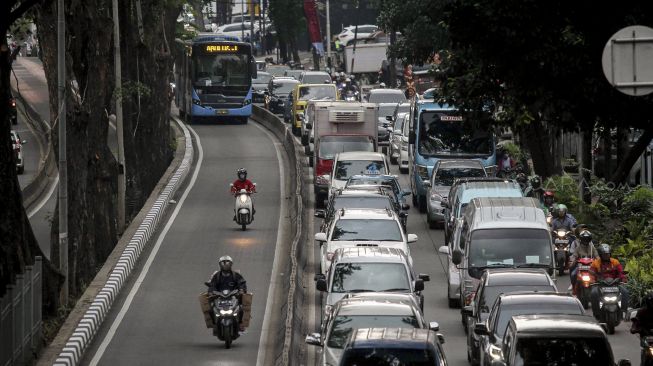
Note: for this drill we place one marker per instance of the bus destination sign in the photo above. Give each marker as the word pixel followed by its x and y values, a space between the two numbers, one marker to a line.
pixel 219 48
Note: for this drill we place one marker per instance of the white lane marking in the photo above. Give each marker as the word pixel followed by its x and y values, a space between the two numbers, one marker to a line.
pixel 128 301
pixel 45 199
pixel 267 318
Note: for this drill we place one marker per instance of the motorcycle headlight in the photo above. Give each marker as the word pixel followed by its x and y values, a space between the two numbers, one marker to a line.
pixel 422 171
pixel 610 298
pixel 561 234
pixel 585 278
pixel 495 352
pixel 243 198
pixel 226 312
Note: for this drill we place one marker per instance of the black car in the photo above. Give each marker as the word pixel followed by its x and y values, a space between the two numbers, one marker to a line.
pixel 490 333
pixel 494 282
pixel 393 346
pixel 556 340
pixel 278 92
pixel 260 86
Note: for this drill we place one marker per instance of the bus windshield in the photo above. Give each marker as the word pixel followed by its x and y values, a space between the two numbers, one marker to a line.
pixel 221 70
pixel 446 134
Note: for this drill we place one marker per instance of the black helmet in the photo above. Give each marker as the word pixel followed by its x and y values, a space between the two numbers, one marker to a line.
pixel 535 181
pixel 648 300
pixel 521 178
pixel 604 251
pixel 585 237
pixel 242 173
pixel 225 263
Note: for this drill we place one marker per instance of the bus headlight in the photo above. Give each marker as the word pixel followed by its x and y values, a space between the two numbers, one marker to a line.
pixel 422 171
pixel 197 102
pixel 247 102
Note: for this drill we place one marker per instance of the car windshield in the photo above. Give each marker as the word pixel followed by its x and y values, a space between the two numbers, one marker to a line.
pixel 375 277
pixel 366 230
pixel 391 356
pixel 381 202
pixel 283 88
pixel 589 351
pixel 447 134
pixel 262 78
pixel 387 97
pixel 317 92
pixel 347 168
pixel 509 247
pixel 331 145
pixel 508 311
pixel 316 79
pixel 344 325
pixel 446 176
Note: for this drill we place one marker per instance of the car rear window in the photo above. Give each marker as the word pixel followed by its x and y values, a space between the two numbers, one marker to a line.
pixel 347 168
pixel 508 311
pixel 377 277
pixel 379 356
pixel 366 230
pixel 563 351
pixel 344 325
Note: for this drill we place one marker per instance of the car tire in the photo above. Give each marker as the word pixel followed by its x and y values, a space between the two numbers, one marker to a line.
pixel 422 204
pixel 453 303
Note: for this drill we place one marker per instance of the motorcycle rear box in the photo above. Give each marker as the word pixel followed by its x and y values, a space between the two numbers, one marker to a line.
pixel 246 300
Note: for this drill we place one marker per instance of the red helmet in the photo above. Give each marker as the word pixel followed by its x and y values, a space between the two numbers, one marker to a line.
pixel 549 194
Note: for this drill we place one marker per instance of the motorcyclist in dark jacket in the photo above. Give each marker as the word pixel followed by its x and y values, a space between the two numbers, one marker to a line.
pixel 226 279
pixel 642 323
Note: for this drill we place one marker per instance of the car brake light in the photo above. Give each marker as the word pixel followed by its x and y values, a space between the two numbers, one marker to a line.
pixel 13 103
pixel 469 298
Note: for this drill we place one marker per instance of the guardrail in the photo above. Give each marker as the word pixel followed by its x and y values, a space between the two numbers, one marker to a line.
pixel 20 317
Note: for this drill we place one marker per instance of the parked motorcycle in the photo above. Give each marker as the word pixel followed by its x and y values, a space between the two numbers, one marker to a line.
pixel 610 311
pixel 226 309
pixel 243 208
pixel 584 281
pixel 561 249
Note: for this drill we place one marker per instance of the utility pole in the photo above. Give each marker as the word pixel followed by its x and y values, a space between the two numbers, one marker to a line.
pixel 328 34
pixel 392 83
pixel 251 25
pixel 63 168
pixel 119 131
pixel 242 21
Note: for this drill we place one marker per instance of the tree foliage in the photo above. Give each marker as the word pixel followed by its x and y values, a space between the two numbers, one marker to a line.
pixel 288 19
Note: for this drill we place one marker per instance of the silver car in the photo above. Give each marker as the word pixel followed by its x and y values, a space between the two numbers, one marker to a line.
pixel 396 137
pixel 444 173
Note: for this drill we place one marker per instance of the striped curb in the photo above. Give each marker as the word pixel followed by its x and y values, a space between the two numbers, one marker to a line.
pixel 90 323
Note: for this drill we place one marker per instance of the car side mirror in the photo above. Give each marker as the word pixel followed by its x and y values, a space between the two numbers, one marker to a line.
pixel 468 310
pixel 406 193
pixel 424 277
pixel 321 237
pixel 434 326
pixel 321 284
pixel 207 284
pixel 318 276
pixel 411 138
pixel 457 257
pixel 403 214
pixel 405 206
pixel 440 338
pixel 314 339
pixel 309 126
pixel 444 250
pixel 419 285
pixel 319 213
pixel 426 183
pixel 388 118
pixel 481 329
pixel 411 238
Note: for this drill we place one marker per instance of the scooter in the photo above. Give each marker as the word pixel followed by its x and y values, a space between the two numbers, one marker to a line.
pixel 243 208
pixel 561 249
pixel 226 309
pixel 609 311
pixel 584 281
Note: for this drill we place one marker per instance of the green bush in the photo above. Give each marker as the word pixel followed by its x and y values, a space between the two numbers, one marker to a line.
pixel 565 188
pixel 639 203
pixel 640 277
pixel 513 150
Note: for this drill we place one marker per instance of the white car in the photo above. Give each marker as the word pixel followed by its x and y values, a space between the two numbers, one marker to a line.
pixel 363 228
pixel 351 163
pixel 236 29
pixel 364 31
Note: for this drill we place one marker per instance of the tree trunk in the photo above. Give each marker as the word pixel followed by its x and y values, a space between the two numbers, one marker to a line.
pixel 198 7
pixel 539 144
pixel 586 164
pixel 607 153
pixel 146 71
pixel 92 182
pixel 625 165
pixel 293 48
pixel 18 246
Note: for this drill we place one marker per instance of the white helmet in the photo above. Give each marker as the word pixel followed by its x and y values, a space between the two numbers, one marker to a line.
pixel 225 263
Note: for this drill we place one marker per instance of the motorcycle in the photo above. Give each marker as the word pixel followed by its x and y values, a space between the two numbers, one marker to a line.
pixel 226 309
pixel 584 280
pixel 609 311
pixel 561 249
pixel 243 208
pixel 351 96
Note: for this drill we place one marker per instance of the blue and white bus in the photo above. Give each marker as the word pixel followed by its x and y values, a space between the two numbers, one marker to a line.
pixel 439 131
pixel 214 78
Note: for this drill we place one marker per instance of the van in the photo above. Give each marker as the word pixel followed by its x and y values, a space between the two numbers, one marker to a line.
pixel 498 233
pixel 305 92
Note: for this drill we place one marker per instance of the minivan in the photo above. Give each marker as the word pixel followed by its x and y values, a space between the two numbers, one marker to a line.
pixel 497 233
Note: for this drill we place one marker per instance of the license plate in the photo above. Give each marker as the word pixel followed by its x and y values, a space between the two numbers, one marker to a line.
pixel 584 267
pixel 221 111
pixel 610 289
pixel 561 241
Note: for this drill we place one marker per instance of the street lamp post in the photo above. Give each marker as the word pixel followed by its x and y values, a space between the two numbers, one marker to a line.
pixel 328 31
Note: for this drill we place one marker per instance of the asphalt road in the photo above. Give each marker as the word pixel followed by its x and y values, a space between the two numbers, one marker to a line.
pixel 427 260
pixel 164 325
pixel 31 150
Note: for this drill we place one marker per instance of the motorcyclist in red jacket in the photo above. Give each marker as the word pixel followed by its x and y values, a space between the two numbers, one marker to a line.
pixel 243 183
